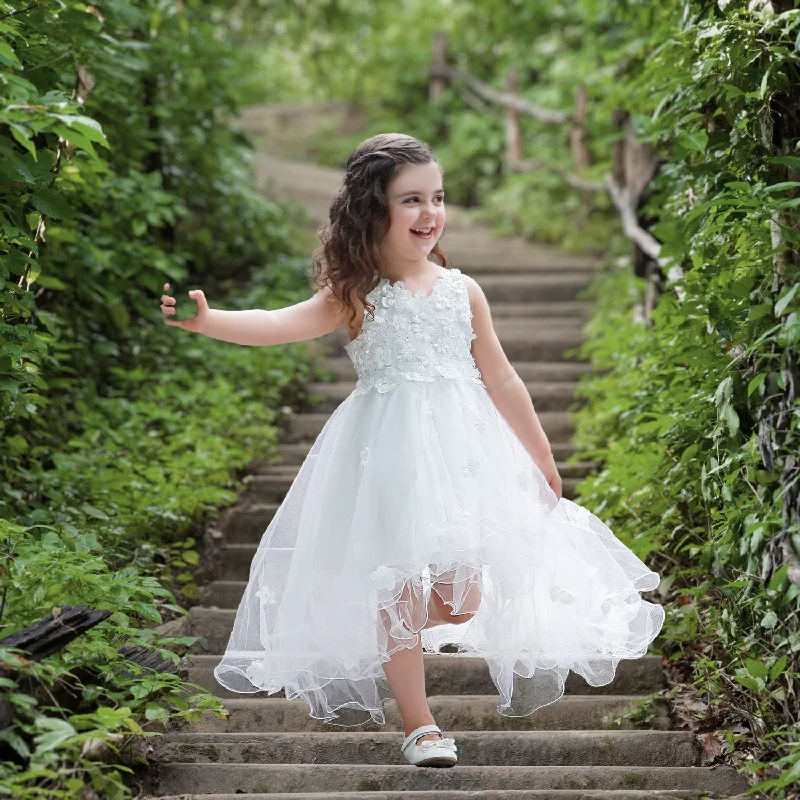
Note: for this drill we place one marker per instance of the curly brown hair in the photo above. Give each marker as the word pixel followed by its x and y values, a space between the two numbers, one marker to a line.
pixel 348 255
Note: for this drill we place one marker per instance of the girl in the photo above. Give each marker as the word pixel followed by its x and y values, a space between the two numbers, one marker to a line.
pixel 428 511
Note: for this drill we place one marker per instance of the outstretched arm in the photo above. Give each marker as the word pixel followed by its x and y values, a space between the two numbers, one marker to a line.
pixel 507 389
pixel 317 316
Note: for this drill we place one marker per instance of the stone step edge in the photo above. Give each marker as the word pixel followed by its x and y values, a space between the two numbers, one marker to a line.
pixel 223 737
pixel 480 748
pixel 717 779
pixel 203 661
pixel 467 699
pixel 457 794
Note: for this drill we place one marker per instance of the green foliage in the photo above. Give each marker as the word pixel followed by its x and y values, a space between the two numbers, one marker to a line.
pixel 119 171
pixel 59 753
pixel 693 399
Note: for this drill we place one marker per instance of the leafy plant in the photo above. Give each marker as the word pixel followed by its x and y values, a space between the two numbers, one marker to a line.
pixel 121 170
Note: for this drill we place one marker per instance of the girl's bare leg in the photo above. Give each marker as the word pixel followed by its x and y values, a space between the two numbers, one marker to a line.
pixel 405 672
pixel 406 675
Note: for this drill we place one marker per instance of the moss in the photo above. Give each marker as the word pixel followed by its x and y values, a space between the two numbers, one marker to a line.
pixel 634 780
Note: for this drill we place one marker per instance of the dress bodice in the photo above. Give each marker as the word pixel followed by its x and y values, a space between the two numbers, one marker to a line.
pixel 415 336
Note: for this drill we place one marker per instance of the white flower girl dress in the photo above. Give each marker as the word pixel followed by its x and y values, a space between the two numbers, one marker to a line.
pixel 415 484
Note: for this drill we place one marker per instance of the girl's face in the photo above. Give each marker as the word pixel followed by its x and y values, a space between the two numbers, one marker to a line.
pixel 416 214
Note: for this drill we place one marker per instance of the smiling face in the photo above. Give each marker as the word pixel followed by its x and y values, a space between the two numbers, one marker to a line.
pixel 416 216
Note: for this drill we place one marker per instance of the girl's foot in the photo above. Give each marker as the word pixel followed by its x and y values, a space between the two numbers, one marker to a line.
pixel 423 747
pixel 428 737
pixel 422 723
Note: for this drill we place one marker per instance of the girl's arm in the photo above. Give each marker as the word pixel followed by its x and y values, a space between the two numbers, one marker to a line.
pixel 507 389
pixel 309 319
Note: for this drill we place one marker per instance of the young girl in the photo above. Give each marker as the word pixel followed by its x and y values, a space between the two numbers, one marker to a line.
pixel 428 511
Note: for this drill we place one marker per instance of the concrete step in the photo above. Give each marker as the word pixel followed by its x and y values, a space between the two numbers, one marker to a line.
pixel 485 258
pixel 173 777
pixel 550 396
pixel 564 312
pixel 462 712
pixel 468 794
pixel 341 367
pixel 475 748
pixel 307 427
pixel 519 344
pixel 457 675
pixel 545 287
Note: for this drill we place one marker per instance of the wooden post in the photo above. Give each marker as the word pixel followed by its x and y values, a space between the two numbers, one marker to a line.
pixel 438 67
pixel 618 118
pixel 581 157
pixel 513 135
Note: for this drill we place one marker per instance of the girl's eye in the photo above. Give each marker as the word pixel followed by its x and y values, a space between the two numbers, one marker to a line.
pixel 438 196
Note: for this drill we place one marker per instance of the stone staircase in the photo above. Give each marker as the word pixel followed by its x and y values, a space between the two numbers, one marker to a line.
pixel 576 748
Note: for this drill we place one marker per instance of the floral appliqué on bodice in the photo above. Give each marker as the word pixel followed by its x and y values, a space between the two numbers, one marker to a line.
pixel 415 337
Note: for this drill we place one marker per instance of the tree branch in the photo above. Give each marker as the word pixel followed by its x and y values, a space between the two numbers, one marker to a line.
pixel 504 99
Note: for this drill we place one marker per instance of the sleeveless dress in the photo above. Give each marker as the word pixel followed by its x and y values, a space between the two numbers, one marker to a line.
pixel 416 484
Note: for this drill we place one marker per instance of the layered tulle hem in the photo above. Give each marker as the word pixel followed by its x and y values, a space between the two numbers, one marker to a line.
pixel 535 598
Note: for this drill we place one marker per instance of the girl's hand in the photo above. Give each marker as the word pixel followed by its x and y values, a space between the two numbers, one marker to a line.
pixel 550 473
pixel 194 323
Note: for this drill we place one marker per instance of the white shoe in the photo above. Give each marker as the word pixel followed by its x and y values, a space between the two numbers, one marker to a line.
pixel 431 752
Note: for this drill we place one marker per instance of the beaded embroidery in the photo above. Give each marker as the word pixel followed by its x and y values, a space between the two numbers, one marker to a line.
pixel 415 337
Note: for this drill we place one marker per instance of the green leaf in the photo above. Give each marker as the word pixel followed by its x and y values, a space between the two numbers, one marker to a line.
pixel 91 511
pixel 785 299
pixel 697 140
pixel 59 731
pixel 756 668
pixel 723 392
pixel 51 282
pixel 756 383
pixel 731 418
pixel 789 161
pixel 89 127
pixel 15 742
pixel 689 453
pixel 776 670
pixel 10 386
pixel 762 90
pixel 154 711
pixel 23 137
pixel 7 55
pixel 759 311
pixel 747 682
pixel 778 577
pixel 769 620
pixel 52 204
pixel 780 187
pixel 75 137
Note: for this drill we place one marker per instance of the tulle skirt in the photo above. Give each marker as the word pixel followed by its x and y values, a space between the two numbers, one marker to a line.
pixel 418 489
